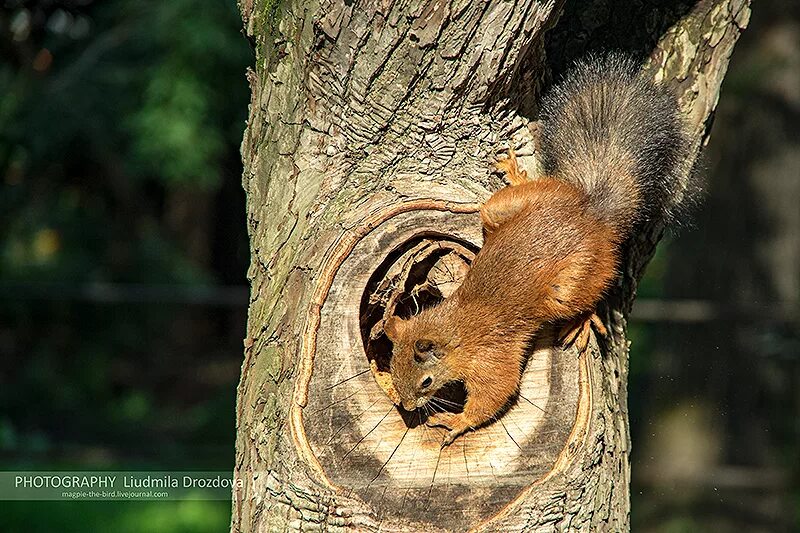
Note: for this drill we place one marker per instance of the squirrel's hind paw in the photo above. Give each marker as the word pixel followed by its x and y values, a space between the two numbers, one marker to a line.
pixel 514 175
pixel 577 331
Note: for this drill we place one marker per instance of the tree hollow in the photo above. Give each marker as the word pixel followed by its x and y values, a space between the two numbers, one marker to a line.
pixel 369 448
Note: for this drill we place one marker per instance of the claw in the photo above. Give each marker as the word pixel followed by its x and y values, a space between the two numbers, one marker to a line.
pixel 449 438
pixel 514 175
pixel 577 331
pixel 439 420
pixel 454 422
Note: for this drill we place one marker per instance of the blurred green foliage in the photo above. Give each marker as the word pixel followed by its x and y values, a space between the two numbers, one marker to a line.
pixel 121 517
pixel 107 107
pixel 120 125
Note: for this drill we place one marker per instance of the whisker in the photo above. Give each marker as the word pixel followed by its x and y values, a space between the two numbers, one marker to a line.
pixel 436 407
pixel 420 424
pixel 446 401
pixel 425 434
pixel 433 400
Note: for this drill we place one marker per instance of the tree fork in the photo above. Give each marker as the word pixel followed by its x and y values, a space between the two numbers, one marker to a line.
pixel 372 130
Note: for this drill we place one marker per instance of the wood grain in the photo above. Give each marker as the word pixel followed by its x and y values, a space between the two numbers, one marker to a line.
pixel 365 445
pixel 366 112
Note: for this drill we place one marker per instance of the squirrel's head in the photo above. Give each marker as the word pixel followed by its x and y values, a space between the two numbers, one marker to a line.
pixel 419 365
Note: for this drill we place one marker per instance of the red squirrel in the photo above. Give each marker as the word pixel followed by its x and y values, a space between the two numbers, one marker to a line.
pixel 613 152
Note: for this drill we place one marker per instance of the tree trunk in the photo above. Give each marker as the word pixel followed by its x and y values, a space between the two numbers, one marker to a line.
pixel 372 130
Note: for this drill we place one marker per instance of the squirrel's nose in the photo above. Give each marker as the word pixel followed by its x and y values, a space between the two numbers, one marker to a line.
pixel 409 406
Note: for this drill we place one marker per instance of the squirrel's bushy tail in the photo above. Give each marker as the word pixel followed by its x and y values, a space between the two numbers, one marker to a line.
pixel 617 136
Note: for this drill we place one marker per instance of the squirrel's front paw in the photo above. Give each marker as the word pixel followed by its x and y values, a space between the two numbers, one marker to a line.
pixel 443 420
pixel 450 437
pixel 455 422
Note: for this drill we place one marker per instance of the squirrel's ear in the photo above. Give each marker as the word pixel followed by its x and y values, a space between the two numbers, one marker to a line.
pixel 392 327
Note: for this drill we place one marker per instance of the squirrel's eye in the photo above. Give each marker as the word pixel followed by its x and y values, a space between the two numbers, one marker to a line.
pixel 427 382
pixel 423 345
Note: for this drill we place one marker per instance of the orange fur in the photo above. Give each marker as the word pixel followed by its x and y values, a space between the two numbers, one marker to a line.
pixel 546 258
pixel 613 149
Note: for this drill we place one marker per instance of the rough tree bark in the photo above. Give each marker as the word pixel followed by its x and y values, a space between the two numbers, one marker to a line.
pixel 372 129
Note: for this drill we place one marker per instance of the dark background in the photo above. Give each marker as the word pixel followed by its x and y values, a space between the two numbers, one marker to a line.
pixel 123 254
